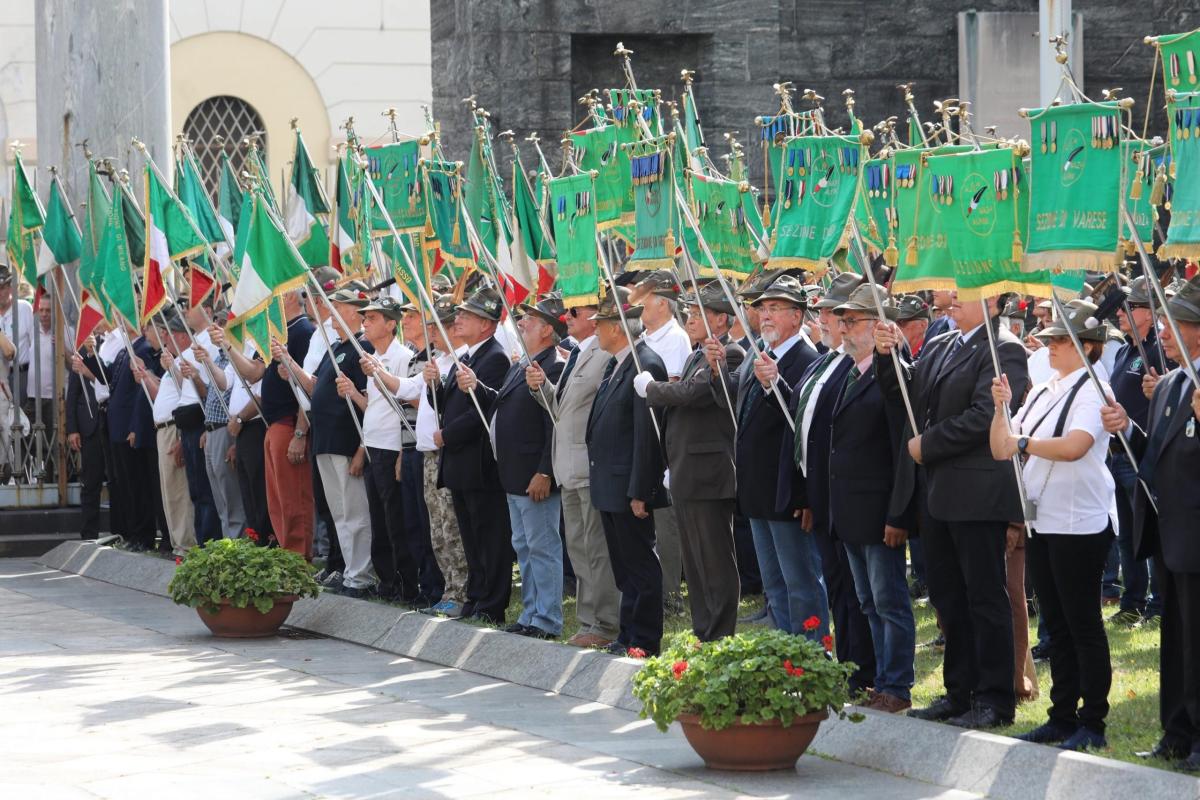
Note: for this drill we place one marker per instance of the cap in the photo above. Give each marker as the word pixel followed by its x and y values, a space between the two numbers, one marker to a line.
pixel 354 293
pixel 910 306
pixel 863 299
pixel 660 282
pixel 786 288
pixel 484 303
pixel 756 284
pixel 1080 317
pixel 1137 292
pixel 5 275
pixel 1013 309
pixel 327 277
pixel 175 323
pixel 549 309
pixel 386 305
pixel 711 297
pixel 607 310
pixel 839 290
pixel 1185 305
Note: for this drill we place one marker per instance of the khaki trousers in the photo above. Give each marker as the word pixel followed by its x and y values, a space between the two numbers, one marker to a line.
pixel 177 503
pixel 597 600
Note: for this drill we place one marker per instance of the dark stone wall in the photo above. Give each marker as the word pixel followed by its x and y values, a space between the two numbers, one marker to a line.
pixel 529 60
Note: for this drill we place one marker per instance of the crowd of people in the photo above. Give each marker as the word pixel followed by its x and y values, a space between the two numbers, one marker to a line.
pixel 831 446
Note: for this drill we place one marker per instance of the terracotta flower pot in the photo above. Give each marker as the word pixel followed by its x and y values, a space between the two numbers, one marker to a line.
pixel 248 622
pixel 752 746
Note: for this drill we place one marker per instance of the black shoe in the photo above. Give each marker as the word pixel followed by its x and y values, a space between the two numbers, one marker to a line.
pixel 939 710
pixel 757 616
pixel 979 718
pixel 917 590
pixel 534 632
pixel 1125 618
pixel 940 641
pixel 1048 733
pixel 353 593
pixel 1189 764
pixel 516 627
pixel 1083 740
pixel 1040 652
pixel 1164 751
pixel 616 649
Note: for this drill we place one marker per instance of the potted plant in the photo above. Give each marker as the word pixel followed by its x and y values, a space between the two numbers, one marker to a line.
pixel 240 589
pixel 752 701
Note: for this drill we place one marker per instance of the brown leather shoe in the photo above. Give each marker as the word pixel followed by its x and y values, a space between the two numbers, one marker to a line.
pixel 888 703
pixel 582 639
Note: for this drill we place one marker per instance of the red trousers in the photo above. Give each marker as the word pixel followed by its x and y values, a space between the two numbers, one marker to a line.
pixel 289 490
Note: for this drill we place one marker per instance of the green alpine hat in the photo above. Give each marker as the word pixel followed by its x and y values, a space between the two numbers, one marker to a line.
pixel 910 306
pixel 1080 318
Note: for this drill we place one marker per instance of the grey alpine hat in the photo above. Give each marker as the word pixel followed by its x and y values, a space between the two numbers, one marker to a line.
pixel 786 288
pixel 484 303
pixel 1185 305
pixel 911 306
pixel 839 290
pixel 863 299
pixel 1080 317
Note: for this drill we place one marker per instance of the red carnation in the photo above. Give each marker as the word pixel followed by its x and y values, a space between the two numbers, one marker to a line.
pixel 635 652
pixel 812 623
pixel 828 642
pixel 562 317
pixel 231 317
pixel 1023 305
pixel 679 667
pixel 328 286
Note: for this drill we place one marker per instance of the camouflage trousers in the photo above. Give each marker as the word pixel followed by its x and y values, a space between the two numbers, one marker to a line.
pixel 443 533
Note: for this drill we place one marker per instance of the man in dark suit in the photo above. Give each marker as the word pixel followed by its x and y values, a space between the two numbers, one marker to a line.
pixel 811 409
pixel 942 300
pixel 864 443
pixel 87 428
pixel 524 433
pixel 767 494
pixel 698 436
pixel 1169 463
pixel 468 465
pixel 970 502
pixel 625 469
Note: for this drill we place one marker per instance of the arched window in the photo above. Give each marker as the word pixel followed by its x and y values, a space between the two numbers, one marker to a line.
pixel 222 117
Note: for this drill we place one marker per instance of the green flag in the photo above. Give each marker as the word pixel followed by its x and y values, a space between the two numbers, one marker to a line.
pixel 113 269
pixel 394 169
pixel 923 256
pixel 1074 211
pixel 270 265
pixel 1145 166
pixel 817 190
pixel 135 224
pixel 600 149
pixel 61 242
pixel 306 207
pixel 532 228
pixel 229 201
pixel 94 219
pixel 1183 118
pixel 190 190
pixel 1180 53
pixel 655 218
pixel 574 217
pixel 25 221
pixel 478 203
pixel 445 229
pixel 720 210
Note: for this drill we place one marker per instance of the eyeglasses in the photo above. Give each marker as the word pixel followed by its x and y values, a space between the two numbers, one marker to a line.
pixel 850 323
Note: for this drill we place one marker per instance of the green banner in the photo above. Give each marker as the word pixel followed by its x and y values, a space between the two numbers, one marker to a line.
pixel 873 208
pixel 600 149
pixel 720 210
pixel 1180 54
pixel 1143 166
pixel 445 229
pixel 818 182
pixel 573 213
pixel 394 170
pixel 1076 188
pixel 1183 117
pixel 655 218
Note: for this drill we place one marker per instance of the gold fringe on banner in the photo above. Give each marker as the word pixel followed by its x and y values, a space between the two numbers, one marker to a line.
pixel 1021 287
pixel 1188 250
pixel 919 284
pixel 581 300
pixel 1060 260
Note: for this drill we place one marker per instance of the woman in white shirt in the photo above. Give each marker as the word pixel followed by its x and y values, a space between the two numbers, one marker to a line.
pixel 1070 516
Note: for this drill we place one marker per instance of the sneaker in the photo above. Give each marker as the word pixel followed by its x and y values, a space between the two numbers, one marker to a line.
pixel 1150 621
pixel 448 608
pixel 516 627
pixel 918 589
pixel 1084 739
pixel 355 593
pixel 1040 652
pixel 1050 732
pixel 534 632
pixel 332 578
pixel 940 641
pixel 321 576
pixel 1126 618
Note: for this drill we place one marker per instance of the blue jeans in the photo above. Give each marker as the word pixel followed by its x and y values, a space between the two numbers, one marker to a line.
pixel 204 507
pixel 540 559
pixel 883 594
pixel 790 566
pixel 1141 584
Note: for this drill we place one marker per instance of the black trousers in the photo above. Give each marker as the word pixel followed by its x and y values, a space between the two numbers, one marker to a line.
pixel 638 575
pixel 94 468
pixel 965 571
pixel 389 551
pixel 709 565
pixel 252 478
pixel 416 525
pixel 1066 569
pixel 853 641
pixel 137 482
pixel 1179 658
pixel 487 544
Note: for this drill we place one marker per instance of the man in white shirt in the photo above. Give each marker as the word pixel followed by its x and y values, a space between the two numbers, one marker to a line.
pixel 382 428
pixel 659 295
pixel 18 331
pixel 41 387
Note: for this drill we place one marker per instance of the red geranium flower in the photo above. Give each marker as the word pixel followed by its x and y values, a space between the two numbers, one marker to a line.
pixel 178 560
pixel 252 534
pixel 828 642
pixel 679 667
pixel 635 652
pixel 812 623
pixel 792 670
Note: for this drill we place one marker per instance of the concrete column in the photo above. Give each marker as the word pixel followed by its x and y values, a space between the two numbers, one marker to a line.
pixel 103 74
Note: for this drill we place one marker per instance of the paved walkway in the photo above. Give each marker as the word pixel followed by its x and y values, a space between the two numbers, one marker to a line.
pixel 109 692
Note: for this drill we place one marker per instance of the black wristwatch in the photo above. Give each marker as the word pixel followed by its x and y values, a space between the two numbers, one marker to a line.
pixel 1023 445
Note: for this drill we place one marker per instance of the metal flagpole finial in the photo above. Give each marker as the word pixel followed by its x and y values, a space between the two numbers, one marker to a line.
pixel 849 95
pixel 1060 48
pixel 470 101
pixel 622 50
pixel 294 122
pixel 138 145
pixel 87 151
pixel 688 76
pixel 907 89
pixel 533 137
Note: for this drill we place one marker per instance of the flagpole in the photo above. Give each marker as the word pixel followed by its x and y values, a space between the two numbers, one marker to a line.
pixel 995 352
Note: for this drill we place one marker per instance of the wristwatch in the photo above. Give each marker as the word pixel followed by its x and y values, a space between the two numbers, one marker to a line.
pixel 238 420
pixel 299 434
pixel 1023 445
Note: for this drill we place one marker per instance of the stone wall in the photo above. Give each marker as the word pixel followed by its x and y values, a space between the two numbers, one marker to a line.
pixel 520 56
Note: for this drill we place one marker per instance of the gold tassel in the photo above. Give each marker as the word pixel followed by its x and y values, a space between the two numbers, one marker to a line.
pixel 455 240
pixel 1159 189
pixel 872 228
pixel 1018 250
pixel 766 215
pixel 891 256
pixel 1130 247
pixel 669 244
pixel 911 254
pixel 1135 191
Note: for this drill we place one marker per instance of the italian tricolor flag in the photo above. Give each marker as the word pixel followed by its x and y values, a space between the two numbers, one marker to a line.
pixel 305 206
pixel 171 233
pixel 270 264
